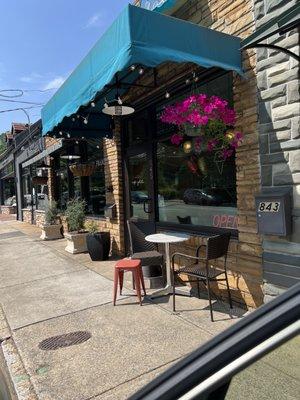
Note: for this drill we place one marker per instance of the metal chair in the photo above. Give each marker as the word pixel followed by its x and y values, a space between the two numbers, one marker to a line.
pixel 185 220
pixel 151 259
pixel 217 247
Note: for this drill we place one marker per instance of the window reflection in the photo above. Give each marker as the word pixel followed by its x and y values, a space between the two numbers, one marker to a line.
pixel 206 198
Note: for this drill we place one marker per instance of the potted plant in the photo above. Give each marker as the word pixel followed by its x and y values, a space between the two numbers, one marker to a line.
pixel 81 169
pixel 98 243
pixel 51 230
pixel 76 235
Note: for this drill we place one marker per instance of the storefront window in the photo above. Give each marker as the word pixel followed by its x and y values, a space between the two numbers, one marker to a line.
pixel 207 198
pixel 27 188
pixel 63 186
pixel 96 200
pixel 198 190
pixel 9 192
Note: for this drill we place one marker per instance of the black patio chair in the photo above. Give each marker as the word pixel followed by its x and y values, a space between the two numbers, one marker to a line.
pixel 152 261
pixel 202 270
pixel 185 220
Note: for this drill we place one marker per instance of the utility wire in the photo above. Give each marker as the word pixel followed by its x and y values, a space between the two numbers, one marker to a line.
pixel 23 102
pixel 18 109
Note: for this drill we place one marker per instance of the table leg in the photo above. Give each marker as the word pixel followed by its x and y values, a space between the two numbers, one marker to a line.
pixel 168 289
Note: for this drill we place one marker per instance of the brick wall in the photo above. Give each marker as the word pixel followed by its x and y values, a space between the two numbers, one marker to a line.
pixel 279 130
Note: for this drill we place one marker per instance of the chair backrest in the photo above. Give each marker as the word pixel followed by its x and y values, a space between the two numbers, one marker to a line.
pixel 217 246
pixel 138 230
pixel 185 220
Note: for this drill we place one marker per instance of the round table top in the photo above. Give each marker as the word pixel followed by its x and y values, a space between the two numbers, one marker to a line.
pixel 167 237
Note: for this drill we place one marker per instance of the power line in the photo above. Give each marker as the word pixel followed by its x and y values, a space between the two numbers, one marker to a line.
pixel 18 109
pixel 23 102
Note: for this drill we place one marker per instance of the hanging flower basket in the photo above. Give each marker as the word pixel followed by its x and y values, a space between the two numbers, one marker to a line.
pixel 205 125
pixel 79 169
pixel 40 180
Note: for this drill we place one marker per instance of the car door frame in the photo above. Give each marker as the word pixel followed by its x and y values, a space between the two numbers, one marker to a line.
pixel 279 317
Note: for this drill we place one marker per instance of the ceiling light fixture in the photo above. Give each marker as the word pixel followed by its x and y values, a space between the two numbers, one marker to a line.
pixel 116 107
pixel 70 157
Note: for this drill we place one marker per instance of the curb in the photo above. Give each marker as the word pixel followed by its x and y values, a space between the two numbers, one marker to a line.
pixel 19 377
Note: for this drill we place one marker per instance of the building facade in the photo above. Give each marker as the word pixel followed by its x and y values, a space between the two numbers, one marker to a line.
pixel 142 174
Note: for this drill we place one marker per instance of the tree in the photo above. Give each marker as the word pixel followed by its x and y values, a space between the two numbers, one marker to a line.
pixel 2 142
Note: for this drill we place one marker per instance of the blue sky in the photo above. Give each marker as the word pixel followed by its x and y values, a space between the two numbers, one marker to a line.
pixel 41 43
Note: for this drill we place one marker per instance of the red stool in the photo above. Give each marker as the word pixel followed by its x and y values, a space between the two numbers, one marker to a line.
pixel 134 266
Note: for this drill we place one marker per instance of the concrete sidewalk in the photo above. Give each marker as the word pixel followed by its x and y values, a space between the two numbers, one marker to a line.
pixel 46 292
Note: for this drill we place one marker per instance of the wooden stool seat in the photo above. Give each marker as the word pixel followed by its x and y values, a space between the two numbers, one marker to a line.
pixel 127 264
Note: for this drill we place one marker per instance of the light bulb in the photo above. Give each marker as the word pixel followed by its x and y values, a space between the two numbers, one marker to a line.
pixel 82 137
pixel 98 147
pixel 78 116
pixel 167 95
pixel 196 79
pixel 105 105
pixel 187 146
pixel 85 121
pixel 60 132
pixel 73 119
pixel 77 142
pixel 93 104
pixel 187 81
pixel 141 71
pixel 132 67
pixel 120 101
pixel 68 135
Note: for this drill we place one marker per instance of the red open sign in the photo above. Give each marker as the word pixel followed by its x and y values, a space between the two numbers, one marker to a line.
pixel 225 221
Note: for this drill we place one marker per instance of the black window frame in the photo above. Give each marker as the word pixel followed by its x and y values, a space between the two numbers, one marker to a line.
pixel 151 145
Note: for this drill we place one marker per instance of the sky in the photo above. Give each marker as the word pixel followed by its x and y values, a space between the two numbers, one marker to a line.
pixel 41 42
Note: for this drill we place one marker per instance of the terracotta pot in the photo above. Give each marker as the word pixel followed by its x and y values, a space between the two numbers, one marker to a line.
pixel 40 180
pixel 82 169
pixel 51 232
pixel 76 242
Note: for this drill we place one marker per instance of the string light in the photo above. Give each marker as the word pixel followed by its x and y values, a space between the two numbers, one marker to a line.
pixel 132 67
pixel 187 81
pixel 120 102
pixel 68 135
pixel 141 71
pixel 85 121
pixel 98 147
pixel 60 132
pixel 93 104
pixel 82 137
pixel 76 142
pixel 167 95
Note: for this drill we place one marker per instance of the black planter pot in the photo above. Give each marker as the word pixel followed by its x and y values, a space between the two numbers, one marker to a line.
pixel 98 245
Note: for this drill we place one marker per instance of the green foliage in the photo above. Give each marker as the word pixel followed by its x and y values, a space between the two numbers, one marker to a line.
pixel 75 214
pixel 215 129
pixel 51 213
pixel 2 142
pixel 92 227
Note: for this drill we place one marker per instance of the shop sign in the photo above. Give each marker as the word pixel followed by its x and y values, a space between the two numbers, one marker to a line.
pixel 225 221
pixel 152 4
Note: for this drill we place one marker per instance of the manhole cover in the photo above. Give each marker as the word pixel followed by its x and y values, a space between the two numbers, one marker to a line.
pixel 66 340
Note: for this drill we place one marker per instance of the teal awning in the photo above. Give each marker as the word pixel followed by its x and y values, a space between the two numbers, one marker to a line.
pixel 138 36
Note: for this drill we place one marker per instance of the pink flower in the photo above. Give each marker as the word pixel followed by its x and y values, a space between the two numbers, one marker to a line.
pixel 176 139
pixel 238 136
pixel 211 144
pixel 226 153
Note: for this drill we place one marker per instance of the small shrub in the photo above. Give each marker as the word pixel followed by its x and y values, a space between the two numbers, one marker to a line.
pixel 75 214
pixel 92 227
pixel 51 214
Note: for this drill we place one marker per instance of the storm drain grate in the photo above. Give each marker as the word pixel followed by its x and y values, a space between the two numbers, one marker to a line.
pixel 66 340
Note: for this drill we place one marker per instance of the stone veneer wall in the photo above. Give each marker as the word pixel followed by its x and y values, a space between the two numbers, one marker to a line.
pixel 245 253
pixel 279 130
pixel 7 210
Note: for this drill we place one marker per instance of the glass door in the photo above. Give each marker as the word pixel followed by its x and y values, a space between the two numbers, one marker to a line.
pixel 139 185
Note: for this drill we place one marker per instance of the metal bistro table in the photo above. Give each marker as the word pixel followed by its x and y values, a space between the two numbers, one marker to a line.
pixel 167 238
